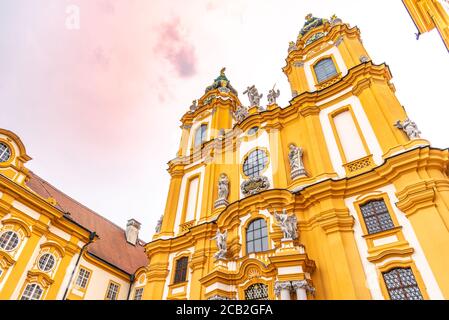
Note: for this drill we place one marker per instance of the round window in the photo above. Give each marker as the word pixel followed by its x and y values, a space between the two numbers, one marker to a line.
pixel 253 130
pixel 5 152
pixel 46 262
pixel 255 163
pixel 9 240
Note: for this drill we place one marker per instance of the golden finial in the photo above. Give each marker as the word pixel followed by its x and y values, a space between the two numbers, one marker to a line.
pixel 222 71
pixel 309 17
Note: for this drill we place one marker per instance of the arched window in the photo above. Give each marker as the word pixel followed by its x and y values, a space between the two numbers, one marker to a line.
pixel 5 153
pixel 200 135
pixel 181 270
pixel 257 236
pixel 255 162
pixel 9 240
pixel 33 291
pixel 401 284
pixel 325 69
pixel 257 291
pixel 376 216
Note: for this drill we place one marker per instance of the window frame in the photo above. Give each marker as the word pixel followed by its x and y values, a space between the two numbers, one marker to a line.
pixel 376 216
pixel 55 261
pixel 377 196
pixel 402 286
pixel 78 286
pixel 30 297
pixel 408 263
pixel 175 281
pixel 140 289
pixel 246 229
pixel 203 135
pixel 247 155
pixel 108 289
pixel 7 150
pixel 17 245
pixel 317 61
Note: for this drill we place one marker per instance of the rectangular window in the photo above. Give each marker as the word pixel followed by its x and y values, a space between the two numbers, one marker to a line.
pixel 138 294
pixel 325 69
pixel 200 135
pixel 112 292
pixel 376 216
pixel 181 270
pixel 83 278
pixel 191 200
pixel 349 137
pixel 401 284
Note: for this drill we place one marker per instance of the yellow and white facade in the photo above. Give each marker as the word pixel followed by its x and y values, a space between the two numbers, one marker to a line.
pixel 430 14
pixel 369 195
pixel 52 247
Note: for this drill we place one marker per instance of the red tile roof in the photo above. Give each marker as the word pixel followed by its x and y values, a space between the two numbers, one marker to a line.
pixel 111 245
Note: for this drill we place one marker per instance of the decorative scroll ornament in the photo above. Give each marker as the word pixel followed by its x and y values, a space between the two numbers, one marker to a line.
pixel 296 165
pixel 159 224
pixel 220 239
pixel 273 95
pixel 315 37
pixel 409 127
pixel 253 96
pixel 254 185
pixel 282 285
pixel 223 191
pixel 288 224
pixel 241 114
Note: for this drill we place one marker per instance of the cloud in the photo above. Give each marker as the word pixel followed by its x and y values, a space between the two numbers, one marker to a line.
pixel 175 48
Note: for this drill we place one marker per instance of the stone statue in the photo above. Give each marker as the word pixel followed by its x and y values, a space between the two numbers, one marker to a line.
pixel 288 224
pixel 223 191
pixel 194 105
pixel 409 127
pixel 220 239
pixel 159 224
pixel 292 46
pixel 241 114
pixel 253 95
pixel 273 95
pixel 296 165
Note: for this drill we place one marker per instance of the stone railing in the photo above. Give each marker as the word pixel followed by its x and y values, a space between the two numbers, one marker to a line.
pixel 359 165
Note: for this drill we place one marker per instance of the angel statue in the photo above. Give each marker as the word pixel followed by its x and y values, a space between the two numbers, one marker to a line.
pixel 288 224
pixel 253 95
pixel 273 95
pixel 159 224
pixel 409 127
pixel 221 244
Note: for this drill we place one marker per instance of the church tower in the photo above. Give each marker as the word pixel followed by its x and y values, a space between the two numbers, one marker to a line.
pixel 334 196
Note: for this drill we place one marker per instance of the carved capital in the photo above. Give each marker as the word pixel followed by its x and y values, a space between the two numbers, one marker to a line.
pixel 282 285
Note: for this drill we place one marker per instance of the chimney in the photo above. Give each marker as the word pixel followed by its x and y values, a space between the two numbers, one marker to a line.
pixel 132 231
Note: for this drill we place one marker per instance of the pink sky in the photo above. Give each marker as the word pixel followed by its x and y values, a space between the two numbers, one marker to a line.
pixel 98 108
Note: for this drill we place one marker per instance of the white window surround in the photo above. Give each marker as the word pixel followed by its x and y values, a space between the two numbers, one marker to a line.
pixel 365 127
pixel 372 280
pixel 308 65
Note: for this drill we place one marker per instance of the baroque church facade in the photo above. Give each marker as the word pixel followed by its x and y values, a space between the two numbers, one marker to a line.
pixel 334 196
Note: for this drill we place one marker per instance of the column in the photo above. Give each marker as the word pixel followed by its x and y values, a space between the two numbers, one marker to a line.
pixel 282 289
pixel 300 287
